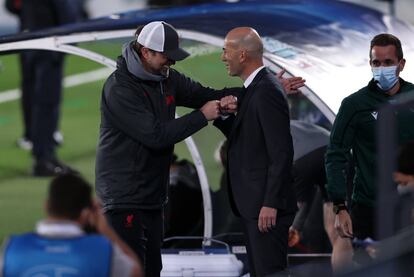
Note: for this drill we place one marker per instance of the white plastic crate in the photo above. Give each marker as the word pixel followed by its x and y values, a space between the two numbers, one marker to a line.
pixel 197 264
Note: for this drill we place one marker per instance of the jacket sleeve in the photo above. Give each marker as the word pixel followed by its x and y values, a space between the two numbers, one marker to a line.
pixel 338 151
pixel 273 115
pixel 192 94
pixel 128 112
pixel 224 125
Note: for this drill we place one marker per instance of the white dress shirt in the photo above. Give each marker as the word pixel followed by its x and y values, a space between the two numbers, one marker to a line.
pixel 249 79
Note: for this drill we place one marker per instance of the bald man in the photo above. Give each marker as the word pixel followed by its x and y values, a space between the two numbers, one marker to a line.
pixel 260 154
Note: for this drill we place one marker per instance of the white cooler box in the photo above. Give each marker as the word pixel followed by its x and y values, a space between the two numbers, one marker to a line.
pixel 197 263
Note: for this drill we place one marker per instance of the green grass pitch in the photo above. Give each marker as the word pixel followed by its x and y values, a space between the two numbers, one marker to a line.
pixel 22 196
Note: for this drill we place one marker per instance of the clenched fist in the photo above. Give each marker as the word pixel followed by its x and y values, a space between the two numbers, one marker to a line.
pixel 211 110
pixel 228 104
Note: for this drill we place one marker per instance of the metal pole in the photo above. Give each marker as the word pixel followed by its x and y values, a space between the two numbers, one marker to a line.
pixel 387 196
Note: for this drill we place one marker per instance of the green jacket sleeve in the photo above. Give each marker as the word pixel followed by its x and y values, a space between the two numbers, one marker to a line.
pixel 338 151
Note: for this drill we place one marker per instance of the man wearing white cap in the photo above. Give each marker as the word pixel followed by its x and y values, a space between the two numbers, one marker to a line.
pixel 138 132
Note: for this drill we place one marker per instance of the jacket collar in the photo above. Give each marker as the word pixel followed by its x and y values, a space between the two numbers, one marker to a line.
pixel 250 79
pixel 59 229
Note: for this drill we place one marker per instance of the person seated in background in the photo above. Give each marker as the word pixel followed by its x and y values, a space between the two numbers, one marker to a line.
pixel 184 211
pixel 304 180
pixel 309 144
pixel 61 245
pixel 404 176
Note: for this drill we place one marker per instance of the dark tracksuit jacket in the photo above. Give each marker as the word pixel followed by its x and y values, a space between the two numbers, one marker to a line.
pixel 355 128
pixel 138 132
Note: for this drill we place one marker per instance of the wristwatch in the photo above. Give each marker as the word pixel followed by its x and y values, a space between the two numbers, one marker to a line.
pixel 339 207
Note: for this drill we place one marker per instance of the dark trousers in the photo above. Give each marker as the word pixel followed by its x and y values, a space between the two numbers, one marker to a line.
pixel 363 227
pixel 27 88
pixel 41 94
pixel 362 221
pixel 142 230
pixel 267 252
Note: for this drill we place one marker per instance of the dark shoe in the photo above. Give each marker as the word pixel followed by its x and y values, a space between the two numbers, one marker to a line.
pixel 51 168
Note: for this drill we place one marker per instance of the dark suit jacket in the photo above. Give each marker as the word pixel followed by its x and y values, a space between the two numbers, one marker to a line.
pixel 260 150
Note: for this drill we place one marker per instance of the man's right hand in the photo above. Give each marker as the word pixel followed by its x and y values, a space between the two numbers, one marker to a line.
pixel 294 237
pixel 211 110
pixel 343 224
pixel 97 219
pixel 228 104
pixel 291 84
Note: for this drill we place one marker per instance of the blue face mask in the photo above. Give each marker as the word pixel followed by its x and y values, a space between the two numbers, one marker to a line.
pixel 385 76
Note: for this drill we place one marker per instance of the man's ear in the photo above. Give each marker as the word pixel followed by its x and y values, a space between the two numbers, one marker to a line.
pixel 84 216
pixel 401 65
pixel 145 52
pixel 243 56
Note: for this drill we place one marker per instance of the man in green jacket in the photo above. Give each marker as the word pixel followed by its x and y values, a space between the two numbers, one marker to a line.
pixel 353 136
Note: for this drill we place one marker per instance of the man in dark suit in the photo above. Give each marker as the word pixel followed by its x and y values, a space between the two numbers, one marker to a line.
pixel 260 154
pixel 41 86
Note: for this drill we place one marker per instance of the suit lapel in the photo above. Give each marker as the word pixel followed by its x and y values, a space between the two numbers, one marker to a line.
pixel 248 93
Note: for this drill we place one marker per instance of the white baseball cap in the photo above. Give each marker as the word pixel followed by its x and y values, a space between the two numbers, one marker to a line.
pixel 162 37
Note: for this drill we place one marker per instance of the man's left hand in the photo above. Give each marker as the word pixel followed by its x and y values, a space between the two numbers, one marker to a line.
pixel 267 219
